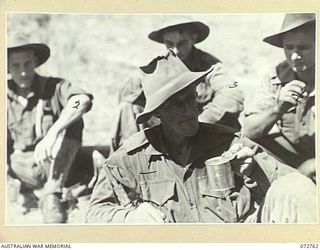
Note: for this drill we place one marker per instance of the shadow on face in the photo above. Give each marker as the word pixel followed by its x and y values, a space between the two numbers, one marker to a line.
pixel 299 48
pixel 179 113
pixel 21 66
pixel 181 42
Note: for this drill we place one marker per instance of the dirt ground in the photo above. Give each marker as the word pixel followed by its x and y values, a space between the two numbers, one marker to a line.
pixel 16 214
pixel 100 51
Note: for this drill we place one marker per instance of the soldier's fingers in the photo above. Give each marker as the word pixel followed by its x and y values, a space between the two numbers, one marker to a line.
pixel 235 148
pixel 297 83
pixel 295 89
pixel 245 153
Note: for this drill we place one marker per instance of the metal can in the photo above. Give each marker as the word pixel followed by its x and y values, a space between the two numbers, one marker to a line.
pixel 220 174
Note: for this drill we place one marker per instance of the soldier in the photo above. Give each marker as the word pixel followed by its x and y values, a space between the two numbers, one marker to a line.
pixel 167 174
pixel 217 103
pixel 44 126
pixel 282 116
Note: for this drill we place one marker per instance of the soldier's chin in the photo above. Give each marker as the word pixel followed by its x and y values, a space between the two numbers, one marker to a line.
pixel 191 131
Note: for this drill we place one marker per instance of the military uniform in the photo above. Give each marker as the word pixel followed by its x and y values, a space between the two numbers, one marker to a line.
pixel 216 101
pixel 292 137
pixel 29 120
pixel 142 171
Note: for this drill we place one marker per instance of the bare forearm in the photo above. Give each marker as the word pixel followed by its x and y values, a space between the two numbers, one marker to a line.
pixel 258 125
pixel 72 112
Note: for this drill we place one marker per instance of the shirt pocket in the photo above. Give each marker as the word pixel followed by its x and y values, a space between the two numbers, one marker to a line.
pixel 158 192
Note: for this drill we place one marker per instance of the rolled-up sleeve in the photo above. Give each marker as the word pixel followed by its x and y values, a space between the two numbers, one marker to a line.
pixel 65 90
pixel 225 100
pixel 266 95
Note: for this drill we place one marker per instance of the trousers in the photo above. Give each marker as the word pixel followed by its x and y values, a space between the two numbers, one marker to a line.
pixel 53 175
pixel 290 199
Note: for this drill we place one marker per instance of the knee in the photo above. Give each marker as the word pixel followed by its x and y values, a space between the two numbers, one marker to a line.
pixel 33 177
pixel 294 186
pixel 308 168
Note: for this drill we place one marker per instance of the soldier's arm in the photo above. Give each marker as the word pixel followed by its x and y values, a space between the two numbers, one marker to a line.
pixel 265 167
pixel 226 99
pixel 76 106
pixel 257 125
pixel 105 205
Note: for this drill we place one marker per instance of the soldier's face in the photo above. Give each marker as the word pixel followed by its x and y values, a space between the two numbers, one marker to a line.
pixel 21 66
pixel 299 48
pixel 180 113
pixel 180 42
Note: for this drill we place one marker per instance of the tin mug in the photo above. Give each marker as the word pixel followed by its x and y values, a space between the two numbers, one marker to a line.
pixel 220 174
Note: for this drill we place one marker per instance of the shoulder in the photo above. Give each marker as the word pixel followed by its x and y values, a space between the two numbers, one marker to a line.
pixel 206 57
pixel 47 86
pixel 280 73
pixel 134 142
pixel 213 132
pixel 131 88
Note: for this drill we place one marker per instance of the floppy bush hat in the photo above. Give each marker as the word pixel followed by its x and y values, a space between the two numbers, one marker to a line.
pixel 170 76
pixel 291 21
pixel 18 42
pixel 184 23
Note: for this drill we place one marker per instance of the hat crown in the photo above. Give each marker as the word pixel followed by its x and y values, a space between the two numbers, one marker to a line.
pixel 167 69
pixel 291 21
pixel 295 20
pixel 182 23
pixel 166 76
pixel 19 41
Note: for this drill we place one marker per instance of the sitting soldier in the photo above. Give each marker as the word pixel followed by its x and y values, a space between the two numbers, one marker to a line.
pixel 282 115
pixel 180 171
pixel 44 127
pixel 217 103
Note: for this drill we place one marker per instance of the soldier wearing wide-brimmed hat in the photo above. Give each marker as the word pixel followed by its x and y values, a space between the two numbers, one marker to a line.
pixel 163 174
pixel 217 103
pixel 282 116
pixel 44 127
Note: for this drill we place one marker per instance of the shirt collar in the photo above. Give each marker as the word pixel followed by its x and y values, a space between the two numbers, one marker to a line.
pixel 284 73
pixel 200 142
pixel 12 89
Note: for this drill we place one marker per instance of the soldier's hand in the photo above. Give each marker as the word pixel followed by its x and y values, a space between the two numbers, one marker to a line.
pixel 243 163
pixel 291 94
pixel 43 151
pixel 145 213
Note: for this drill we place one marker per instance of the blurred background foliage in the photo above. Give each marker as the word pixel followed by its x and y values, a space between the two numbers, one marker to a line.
pixel 98 52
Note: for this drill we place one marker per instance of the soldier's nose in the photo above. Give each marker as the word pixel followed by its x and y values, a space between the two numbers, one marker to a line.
pixel 295 56
pixel 23 73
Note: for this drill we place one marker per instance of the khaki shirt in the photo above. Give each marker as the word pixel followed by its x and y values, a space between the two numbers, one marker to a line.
pixel 22 112
pixel 297 125
pixel 146 173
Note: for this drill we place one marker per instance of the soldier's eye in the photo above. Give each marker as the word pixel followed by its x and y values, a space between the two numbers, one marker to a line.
pixel 288 46
pixel 168 44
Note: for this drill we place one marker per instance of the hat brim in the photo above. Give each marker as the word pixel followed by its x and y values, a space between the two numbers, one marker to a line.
pixel 171 89
pixel 277 39
pixel 200 28
pixel 41 50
